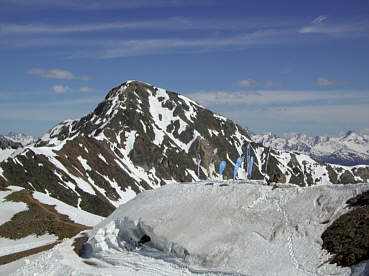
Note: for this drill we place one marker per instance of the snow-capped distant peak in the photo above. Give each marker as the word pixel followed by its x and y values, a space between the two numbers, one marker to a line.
pixel 349 148
pixel 20 138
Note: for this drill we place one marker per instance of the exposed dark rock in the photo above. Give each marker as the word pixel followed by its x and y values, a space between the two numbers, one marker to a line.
pixel 360 200
pixel 347 238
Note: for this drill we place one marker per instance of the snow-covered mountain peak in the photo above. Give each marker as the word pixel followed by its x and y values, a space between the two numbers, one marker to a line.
pixel 354 137
pixel 141 137
pixel 19 137
pixel 13 142
pixel 141 107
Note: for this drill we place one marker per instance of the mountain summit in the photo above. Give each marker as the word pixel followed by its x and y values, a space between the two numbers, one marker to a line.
pixel 141 137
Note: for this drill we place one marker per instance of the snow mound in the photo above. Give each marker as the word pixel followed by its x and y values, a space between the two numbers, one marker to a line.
pixel 244 228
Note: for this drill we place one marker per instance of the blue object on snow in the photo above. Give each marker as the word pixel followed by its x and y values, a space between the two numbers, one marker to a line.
pixel 222 166
pixel 236 166
pixel 249 169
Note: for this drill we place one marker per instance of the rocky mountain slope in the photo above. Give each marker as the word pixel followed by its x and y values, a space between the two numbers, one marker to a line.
pixel 141 137
pixel 350 148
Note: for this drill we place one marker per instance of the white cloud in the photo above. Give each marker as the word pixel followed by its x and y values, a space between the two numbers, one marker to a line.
pixel 17 29
pixel 56 74
pixel 104 5
pixel 269 84
pixel 237 34
pixel 337 29
pixel 275 97
pixel 326 113
pixel 84 89
pixel 124 48
pixel 319 19
pixel 324 82
pixel 40 113
pixel 302 119
pixel 247 83
pixel 36 71
pixel 60 88
pixel 364 131
pixel 170 23
pixel 280 109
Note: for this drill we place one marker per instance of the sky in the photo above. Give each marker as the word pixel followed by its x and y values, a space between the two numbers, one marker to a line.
pixel 279 66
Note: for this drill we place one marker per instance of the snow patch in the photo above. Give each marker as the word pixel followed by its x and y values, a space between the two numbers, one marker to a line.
pixel 84 163
pixel 6 153
pixel 8 208
pixel 75 214
pixel 102 158
pixel 13 246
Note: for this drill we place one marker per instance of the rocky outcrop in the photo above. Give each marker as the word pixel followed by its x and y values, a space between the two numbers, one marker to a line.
pixel 347 238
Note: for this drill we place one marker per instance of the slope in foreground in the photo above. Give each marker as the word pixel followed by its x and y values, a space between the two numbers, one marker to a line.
pixel 218 229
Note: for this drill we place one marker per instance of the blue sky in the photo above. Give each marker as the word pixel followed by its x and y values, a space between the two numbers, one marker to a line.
pixel 279 66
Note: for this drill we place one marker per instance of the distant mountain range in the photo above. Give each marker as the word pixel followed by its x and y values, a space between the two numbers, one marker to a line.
pixel 11 142
pixel 19 137
pixel 350 148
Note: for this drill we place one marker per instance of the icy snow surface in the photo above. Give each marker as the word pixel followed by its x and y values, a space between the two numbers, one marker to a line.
pixel 210 228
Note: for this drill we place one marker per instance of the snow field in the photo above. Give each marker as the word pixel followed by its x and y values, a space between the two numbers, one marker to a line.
pixel 230 228
pixel 61 260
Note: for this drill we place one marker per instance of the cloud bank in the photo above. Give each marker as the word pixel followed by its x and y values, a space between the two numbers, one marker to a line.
pixel 56 74
pixel 324 82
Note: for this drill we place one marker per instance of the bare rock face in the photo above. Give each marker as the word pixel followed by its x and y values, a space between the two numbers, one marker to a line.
pixel 347 238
